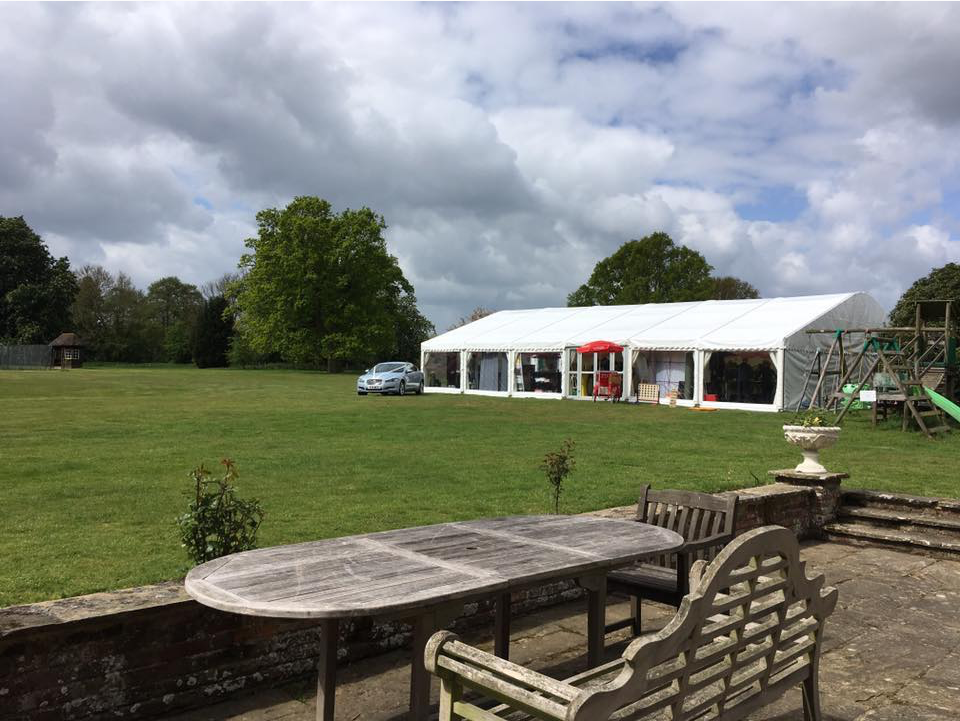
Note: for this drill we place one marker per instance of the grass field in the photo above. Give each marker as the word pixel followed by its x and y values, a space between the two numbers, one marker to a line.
pixel 94 462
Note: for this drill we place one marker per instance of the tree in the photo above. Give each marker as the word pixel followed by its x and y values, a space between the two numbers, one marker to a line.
pixel 650 270
pixel 36 290
pixel 221 286
pixel 320 285
pixel 127 320
pixel 940 284
pixel 211 339
pixel 476 314
pixel 173 307
pixel 729 288
pixel 89 312
pixel 412 329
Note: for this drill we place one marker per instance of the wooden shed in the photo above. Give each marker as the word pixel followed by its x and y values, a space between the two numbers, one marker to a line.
pixel 66 351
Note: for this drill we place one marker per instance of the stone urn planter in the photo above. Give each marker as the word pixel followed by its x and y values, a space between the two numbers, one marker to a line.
pixel 811 440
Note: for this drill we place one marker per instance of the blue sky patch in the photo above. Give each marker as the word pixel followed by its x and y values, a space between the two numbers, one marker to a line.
pixel 658 53
pixel 776 204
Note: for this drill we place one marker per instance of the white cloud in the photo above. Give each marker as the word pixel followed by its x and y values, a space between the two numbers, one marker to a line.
pixel 510 146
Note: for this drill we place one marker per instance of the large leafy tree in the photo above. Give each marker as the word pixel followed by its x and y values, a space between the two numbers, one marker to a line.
pixel 36 290
pixel 173 307
pixel 940 284
pixel 650 270
pixel 320 285
pixel 729 288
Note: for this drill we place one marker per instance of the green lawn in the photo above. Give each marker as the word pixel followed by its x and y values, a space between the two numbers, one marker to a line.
pixel 94 462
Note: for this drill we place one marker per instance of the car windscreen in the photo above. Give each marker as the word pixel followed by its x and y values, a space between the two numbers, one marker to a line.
pixel 387 367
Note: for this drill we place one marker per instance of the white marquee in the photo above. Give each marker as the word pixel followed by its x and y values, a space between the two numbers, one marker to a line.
pixel 664 334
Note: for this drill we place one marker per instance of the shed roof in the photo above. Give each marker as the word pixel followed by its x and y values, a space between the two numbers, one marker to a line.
pixel 66 340
pixel 756 324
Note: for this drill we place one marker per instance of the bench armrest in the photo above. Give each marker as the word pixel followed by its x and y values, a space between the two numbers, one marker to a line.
pixel 719 541
pixel 516 686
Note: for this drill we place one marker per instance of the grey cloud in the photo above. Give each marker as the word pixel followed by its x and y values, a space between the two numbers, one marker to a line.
pixel 25 114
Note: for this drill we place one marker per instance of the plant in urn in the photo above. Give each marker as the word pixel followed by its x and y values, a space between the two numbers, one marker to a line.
pixel 812 434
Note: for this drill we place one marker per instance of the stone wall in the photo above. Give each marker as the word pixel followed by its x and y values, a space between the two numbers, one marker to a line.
pixel 148 651
pixel 777 504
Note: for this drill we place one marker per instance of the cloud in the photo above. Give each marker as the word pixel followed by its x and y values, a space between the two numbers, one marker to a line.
pixel 509 146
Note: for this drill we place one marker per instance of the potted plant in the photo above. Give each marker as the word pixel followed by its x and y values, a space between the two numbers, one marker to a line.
pixel 812 433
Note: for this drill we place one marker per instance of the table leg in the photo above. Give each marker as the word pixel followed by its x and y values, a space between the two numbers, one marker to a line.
pixel 423 627
pixel 501 627
pixel 596 616
pixel 327 669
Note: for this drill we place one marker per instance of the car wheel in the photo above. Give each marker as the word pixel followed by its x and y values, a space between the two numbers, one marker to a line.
pixel 361 393
pixel 420 389
pixel 402 389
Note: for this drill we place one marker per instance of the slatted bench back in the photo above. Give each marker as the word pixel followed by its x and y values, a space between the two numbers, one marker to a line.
pixel 694 516
pixel 750 628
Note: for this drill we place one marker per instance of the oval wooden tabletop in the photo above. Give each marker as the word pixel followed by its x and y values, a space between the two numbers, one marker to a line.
pixel 415 568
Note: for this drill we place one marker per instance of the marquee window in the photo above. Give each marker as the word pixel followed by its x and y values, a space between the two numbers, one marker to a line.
pixel 739 378
pixel 442 370
pixel 584 367
pixel 487 372
pixel 537 373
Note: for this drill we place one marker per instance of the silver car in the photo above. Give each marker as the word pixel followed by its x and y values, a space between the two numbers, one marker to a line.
pixel 396 377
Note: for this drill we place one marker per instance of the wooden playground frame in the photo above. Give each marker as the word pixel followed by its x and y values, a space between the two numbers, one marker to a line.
pixel 910 358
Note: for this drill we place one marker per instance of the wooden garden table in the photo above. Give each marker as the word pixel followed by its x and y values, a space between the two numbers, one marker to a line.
pixel 425 574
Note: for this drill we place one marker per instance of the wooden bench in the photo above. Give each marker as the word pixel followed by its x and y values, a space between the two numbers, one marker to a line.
pixel 751 628
pixel 706 523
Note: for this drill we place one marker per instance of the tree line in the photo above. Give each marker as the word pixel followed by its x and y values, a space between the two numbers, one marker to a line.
pixel 317 288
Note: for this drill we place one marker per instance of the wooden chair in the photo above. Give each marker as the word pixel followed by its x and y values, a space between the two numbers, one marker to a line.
pixel 706 523
pixel 751 628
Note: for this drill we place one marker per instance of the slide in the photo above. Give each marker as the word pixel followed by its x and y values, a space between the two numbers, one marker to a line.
pixel 951 409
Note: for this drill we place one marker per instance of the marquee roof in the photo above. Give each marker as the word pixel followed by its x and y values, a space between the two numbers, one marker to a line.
pixel 760 324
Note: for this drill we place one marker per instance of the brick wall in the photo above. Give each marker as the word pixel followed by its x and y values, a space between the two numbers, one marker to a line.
pixel 147 651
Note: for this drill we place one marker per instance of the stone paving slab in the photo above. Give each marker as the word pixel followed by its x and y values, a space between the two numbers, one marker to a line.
pixel 892 649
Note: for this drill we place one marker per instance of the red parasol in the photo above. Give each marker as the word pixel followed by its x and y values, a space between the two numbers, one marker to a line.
pixel 600 346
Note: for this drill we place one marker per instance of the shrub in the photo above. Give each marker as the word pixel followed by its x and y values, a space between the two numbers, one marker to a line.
pixel 218 521
pixel 814 418
pixel 557 465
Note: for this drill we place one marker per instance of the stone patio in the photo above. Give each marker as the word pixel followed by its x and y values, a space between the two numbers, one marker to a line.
pixel 892 649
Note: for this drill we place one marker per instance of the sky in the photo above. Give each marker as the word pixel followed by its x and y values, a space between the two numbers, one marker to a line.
pixel 805 148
